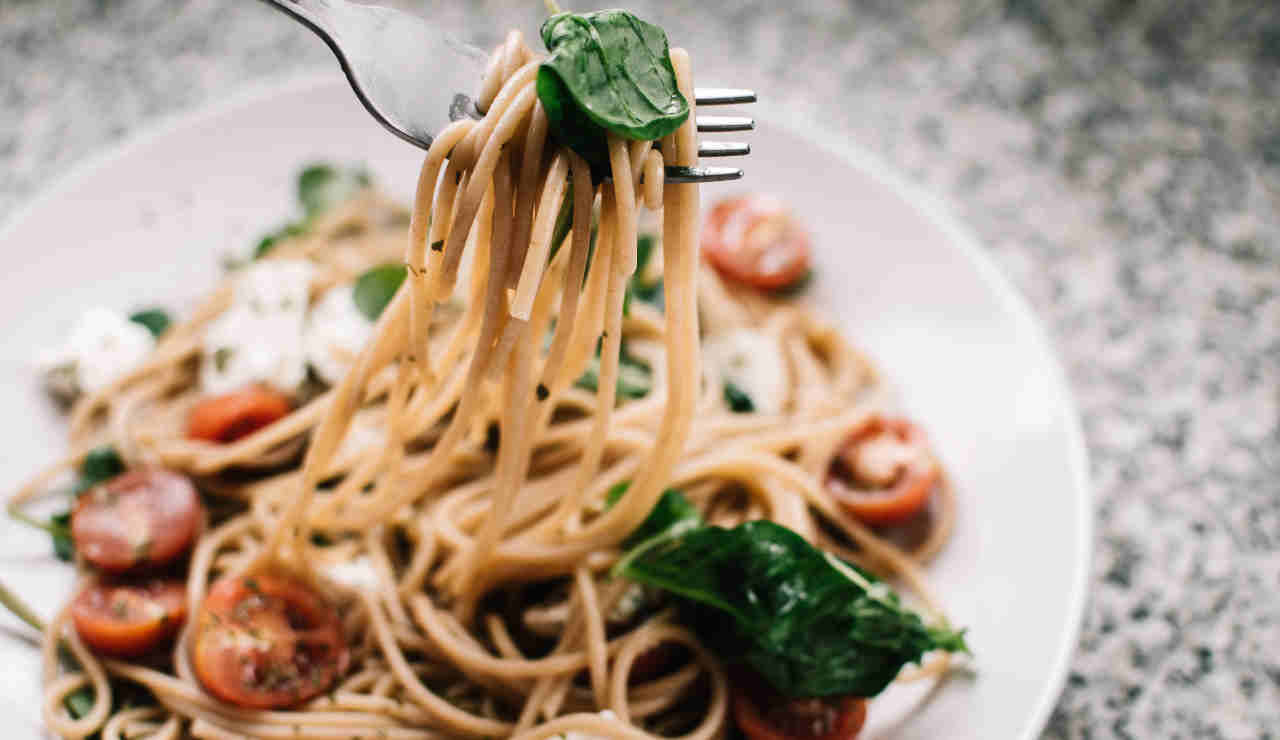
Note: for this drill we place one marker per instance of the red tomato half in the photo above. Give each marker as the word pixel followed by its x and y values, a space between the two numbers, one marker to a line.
pixel 762 714
pixel 754 240
pixel 884 474
pixel 127 620
pixel 266 642
pixel 138 519
pixel 233 416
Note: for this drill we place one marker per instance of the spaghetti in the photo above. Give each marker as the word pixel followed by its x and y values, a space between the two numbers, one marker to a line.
pixel 487 608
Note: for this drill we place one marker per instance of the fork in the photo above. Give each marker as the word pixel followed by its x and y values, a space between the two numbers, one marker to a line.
pixel 415 80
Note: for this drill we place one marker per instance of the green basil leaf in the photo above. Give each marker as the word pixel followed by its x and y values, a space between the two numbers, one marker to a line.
pixel 322 186
pixel 268 242
pixel 809 623
pixel 738 400
pixel 615 493
pixel 607 71
pixel 376 287
pixel 101 464
pixel 635 379
pixel 155 319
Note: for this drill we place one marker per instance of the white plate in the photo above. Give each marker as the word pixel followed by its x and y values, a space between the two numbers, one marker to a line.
pixel 147 222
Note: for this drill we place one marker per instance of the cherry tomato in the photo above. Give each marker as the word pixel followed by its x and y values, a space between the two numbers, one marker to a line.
pixel 126 620
pixel 232 416
pixel 266 642
pixel 138 519
pixel 754 240
pixel 763 714
pixel 884 474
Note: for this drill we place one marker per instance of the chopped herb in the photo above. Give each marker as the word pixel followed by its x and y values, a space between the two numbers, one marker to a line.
pixel 492 436
pixel 739 402
pixel 155 319
pixel 376 287
pixel 543 392
pixel 320 539
pixel 221 357
pixel 437 245
pixel 79 702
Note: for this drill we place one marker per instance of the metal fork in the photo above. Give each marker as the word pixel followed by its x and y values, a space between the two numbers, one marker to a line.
pixel 415 79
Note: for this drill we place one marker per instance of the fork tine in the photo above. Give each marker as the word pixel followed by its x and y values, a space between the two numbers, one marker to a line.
pixel 703 174
pixel 716 124
pixel 723 96
pixel 724 149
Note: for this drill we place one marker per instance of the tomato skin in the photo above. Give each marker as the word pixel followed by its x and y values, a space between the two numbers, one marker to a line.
pixel 139 519
pixel 232 416
pixel 762 714
pixel 754 240
pixel 267 642
pixel 126 620
pixel 907 494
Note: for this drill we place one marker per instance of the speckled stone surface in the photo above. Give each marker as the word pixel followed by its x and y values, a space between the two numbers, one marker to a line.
pixel 1120 158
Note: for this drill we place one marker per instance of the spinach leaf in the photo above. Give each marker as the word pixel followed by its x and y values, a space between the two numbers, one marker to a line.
pixel 376 287
pixel 738 400
pixel 671 516
pixel 155 319
pixel 322 186
pixel 635 379
pixel 268 242
pixel 809 623
pixel 100 464
pixel 607 71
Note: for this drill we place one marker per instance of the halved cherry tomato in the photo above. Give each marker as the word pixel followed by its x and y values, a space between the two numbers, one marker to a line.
pixel 126 620
pixel 763 714
pixel 138 519
pixel 232 416
pixel 753 239
pixel 267 642
pixel 884 474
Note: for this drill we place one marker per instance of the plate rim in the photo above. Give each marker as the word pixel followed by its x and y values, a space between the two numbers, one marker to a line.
pixel 934 208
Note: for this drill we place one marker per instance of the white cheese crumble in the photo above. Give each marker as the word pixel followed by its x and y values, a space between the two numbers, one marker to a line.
pixel 102 346
pixel 259 337
pixel 752 361
pixel 878 460
pixel 356 573
pixel 336 331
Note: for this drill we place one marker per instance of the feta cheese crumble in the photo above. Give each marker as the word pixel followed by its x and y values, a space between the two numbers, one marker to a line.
pixel 258 339
pixel 103 345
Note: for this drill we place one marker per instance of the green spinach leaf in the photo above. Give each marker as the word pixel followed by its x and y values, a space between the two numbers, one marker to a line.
pixel 101 464
pixel 322 186
pixel 607 71
pixel 155 319
pixel 376 287
pixel 671 516
pixel 809 623
pixel 635 379
pixel 268 242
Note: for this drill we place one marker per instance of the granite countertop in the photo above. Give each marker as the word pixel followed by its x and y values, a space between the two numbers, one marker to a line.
pixel 1121 160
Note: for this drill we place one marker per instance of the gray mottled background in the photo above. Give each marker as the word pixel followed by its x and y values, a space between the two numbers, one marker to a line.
pixel 1120 158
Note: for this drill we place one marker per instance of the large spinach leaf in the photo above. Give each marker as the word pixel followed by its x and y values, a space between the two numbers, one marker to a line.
pixel 607 71
pixel 809 623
